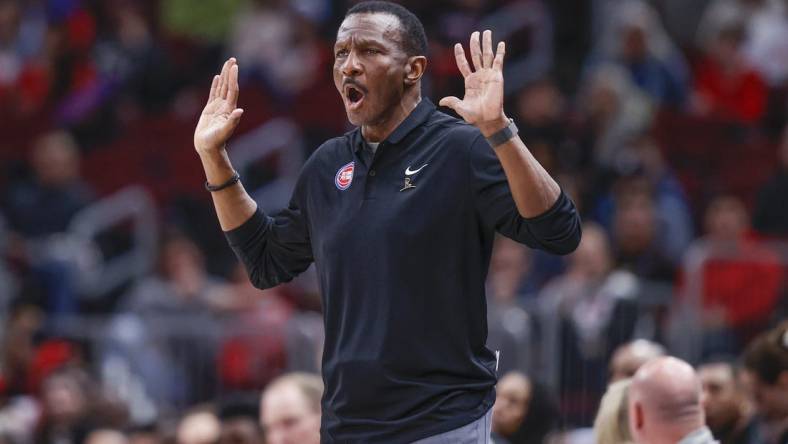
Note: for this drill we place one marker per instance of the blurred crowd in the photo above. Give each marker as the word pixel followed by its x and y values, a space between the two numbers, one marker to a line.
pixel 125 316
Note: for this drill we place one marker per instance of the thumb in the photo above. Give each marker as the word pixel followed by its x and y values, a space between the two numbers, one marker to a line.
pixel 450 102
pixel 235 116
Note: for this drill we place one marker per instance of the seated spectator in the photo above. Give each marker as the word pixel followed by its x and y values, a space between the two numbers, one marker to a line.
pixel 509 324
pixel 726 86
pixel 611 425
pixel 637 41
pixel 765 365
pixel 636 232
pixel 290 409
pixel 66 407
pixel 199 426
pixel 592 310
pixel 729 414
pixel 665 404
pixel 240 424
pixel 741 279
pixel 769 218
pixel 512 401
pixel 628 358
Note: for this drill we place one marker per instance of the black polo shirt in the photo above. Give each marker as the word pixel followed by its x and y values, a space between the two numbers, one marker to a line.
pixel 402 247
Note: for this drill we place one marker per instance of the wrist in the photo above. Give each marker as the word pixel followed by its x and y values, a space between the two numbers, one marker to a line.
pixel 493 126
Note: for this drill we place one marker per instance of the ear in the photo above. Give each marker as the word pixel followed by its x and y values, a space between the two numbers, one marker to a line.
pixel 414 69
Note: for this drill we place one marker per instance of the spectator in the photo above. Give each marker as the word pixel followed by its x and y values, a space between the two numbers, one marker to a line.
pixel 766 374
pixel 768 218
pixel 740 279
pixel 199 426
pixel 512 402
pixel 290 409
pixel 66 404
pixel 729 414
pixel 637 41
pixel 595 311
pixel 628 358
pixel 665 404
pixel 611 425
pixel 240 424
pixel 726 86
pixel 106 436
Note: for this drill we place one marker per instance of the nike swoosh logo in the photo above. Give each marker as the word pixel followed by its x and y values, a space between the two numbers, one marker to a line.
pixel 409 172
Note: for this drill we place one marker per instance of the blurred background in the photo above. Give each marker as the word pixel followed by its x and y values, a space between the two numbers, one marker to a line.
pixel 122 307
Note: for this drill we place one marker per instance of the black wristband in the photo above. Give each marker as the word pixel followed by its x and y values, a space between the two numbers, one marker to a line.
pixel 503 135
pixel 230 182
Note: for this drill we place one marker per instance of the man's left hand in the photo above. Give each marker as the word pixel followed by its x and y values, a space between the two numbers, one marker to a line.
pixel 482 105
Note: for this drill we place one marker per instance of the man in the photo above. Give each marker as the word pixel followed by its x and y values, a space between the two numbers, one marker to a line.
pixel 664 404
pixel 290 409
pixel 628 358
pixel 766 376
pixel 399 217
pixel 729 414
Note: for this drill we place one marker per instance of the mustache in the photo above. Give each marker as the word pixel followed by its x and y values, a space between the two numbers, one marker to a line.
pixel 354 84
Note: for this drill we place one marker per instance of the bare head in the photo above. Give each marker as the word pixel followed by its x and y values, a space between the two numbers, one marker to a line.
pixel 55 159
pixel 201 426
pixel 290 409
pixel 628 358
pixel 664 402
pixel 379 58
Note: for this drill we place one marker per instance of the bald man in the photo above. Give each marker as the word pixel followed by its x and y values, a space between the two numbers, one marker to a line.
pixel 629 357
pixel 665 404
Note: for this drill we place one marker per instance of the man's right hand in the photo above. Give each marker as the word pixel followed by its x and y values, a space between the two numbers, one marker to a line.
pixel 220 115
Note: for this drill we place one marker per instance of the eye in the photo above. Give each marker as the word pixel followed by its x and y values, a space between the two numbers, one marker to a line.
pixel 372 51
pixel 341 53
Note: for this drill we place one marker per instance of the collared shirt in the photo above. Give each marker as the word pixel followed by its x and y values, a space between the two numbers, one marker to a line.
pixel 401 245
pixel 700 436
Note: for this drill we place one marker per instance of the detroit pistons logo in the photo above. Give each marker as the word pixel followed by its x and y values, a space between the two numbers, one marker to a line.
pixel 344 176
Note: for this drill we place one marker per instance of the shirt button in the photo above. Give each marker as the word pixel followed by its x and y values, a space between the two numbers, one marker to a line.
pixel 372 173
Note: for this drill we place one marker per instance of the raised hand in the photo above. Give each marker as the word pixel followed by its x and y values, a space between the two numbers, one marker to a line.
pixel 220 115
pixel 482 105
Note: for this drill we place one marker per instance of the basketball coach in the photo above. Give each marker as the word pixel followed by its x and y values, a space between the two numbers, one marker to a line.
pixel 399 217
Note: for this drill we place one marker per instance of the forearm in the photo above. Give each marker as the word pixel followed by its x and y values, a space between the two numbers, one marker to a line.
pixel 533 190
pixel 233 204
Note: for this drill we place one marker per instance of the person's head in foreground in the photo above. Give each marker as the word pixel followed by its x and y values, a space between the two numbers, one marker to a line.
pixel 290 409
pixel 765 373
pixel 629 357
pixel 106 436
pixel 611 425
pixel 664 404
pixel 379 58
pixel 727 409
pixel 512 398
pixel 200 426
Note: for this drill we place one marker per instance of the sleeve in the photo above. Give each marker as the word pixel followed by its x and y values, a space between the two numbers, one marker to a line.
pixel 556 231
pixel 274 249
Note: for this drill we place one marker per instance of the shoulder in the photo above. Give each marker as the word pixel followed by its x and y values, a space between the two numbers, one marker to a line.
pixel 455 134
pixel 330 152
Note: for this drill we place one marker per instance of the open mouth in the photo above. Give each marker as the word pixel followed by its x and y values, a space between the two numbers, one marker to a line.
pixel 354 96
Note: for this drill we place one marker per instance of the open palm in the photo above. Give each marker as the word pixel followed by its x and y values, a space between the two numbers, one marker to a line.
pixel 220 115
pixel 483 100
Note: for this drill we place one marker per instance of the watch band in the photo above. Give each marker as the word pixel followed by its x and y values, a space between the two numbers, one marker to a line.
pixel 230 182
pixel 503 135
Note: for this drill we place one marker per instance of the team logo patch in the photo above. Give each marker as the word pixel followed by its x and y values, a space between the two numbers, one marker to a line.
pixel 344 176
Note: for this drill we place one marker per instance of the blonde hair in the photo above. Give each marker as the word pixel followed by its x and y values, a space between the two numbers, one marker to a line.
pixel 611 425
pixel 310 385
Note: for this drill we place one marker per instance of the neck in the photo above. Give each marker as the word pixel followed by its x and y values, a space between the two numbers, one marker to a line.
pixel 378 131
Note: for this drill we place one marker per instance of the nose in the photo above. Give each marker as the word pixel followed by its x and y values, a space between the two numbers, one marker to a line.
pixel 351 67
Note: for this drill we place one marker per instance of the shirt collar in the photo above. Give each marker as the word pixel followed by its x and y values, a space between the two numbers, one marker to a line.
pixel 416 117
pixel 701 436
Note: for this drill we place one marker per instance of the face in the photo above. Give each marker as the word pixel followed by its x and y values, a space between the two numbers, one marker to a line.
pixel 720 396
pixel 240 431
pixel 513 394
pixel 771 400
pixel 370 67
pixel 288 418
